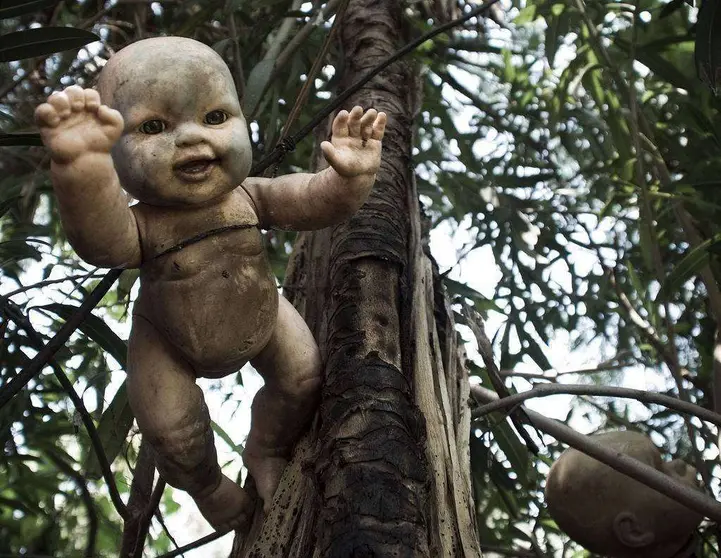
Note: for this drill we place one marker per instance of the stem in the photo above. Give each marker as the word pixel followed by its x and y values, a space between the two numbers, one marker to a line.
pixel 544 390
pixel 138 502
pixel 638 122
pixel 278 153
pixel 195 544
pixel 475 322
pixel 643 473
pixel 87 500
pixel 45 354
pixel 16 315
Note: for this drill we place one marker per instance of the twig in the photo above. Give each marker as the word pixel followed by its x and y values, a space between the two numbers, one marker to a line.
pixel 87 500
pixel 717 372
pixel 643 325
pixel 514 552
pixel 475 323
pixel 278 153
pixel 551 375
pixel 195 544
pixel 638 123
pixel 149 513
pixel 237 60
pixel 285 30
pixel 693 499
pixel 159 517
pixel 315 68
pixel 544 390
pixel 138 502
pixel 17 316
pixel 291 48
pixel 82 277
pixel 45 354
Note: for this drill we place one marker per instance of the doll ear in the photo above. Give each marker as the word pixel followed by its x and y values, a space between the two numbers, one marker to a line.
pixel 630 532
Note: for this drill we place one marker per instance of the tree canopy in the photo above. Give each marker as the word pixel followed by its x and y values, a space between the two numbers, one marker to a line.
pixel 573 143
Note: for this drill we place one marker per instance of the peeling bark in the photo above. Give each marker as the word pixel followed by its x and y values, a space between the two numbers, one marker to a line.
pixel 384 470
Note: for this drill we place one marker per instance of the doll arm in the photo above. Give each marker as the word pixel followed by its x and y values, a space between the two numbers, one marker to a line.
pixel 314 201
pixel 79 133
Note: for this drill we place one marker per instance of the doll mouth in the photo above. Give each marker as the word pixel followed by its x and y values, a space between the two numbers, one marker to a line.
pixel 195 169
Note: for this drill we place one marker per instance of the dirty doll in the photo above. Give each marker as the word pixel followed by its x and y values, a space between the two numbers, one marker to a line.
pixel 614 515
pixel 165 126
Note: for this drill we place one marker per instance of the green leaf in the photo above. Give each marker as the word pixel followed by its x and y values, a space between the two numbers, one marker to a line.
pixel 20 139
pixel 14 8
pixel 113 431
pixel 16 250
pixel 256 86
pixel 652 59
pixel 237 448
pixel 689 266
pixel 42 42
pixel 536 353
pixel 670 8
pixel 97 330
pixel 526 15
pixel 126 282
pixel 708 43
pixel 514 448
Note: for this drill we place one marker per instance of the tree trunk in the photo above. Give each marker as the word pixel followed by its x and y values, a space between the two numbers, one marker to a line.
pixel 384 469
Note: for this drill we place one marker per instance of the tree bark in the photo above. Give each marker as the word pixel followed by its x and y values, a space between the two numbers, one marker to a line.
pixel 384 470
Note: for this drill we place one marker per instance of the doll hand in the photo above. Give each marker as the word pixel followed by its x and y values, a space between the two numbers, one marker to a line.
pixel 355 147
pixel 74 123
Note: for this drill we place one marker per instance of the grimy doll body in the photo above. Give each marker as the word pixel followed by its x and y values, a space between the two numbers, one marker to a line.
pixel 165 125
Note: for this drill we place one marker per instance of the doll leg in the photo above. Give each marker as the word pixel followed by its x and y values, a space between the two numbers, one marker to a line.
pixel 173 418
pixel 291 367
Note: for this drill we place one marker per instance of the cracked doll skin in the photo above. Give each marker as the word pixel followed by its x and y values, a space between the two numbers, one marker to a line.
pixel 165 126
pixel 613 515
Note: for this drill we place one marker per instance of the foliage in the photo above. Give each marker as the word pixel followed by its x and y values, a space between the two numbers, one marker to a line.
pixel 569 139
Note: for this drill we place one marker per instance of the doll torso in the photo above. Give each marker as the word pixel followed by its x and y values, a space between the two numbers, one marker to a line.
pixel 215 299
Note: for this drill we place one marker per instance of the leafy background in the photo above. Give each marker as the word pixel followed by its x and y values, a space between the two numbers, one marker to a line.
pixel 573 143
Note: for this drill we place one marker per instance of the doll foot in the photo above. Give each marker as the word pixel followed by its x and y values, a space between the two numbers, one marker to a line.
pixel 266 472
pixel 227 507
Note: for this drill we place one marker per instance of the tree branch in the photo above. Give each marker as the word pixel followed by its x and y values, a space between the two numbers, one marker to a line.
pixel 544 390
pixel 45 354
pixel 278 153
pixel 140 496
pixel 82 483
pixel 195 544
pixel 17 316
pixel 643 473
pixel 475 322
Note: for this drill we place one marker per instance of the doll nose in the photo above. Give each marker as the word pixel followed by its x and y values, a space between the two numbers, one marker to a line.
pixel 189 134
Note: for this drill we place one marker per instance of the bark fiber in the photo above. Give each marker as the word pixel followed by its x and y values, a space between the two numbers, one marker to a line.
pixel 384 470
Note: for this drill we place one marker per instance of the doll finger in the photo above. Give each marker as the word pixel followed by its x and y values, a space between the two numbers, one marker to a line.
pixel 61 104
pixel 379 126
pixel 76 97
pixel 354 121
pixel 92 100
pixel 46 116
pixel 366 123
pixel 329 152
pixel 340 124
pixel 110 116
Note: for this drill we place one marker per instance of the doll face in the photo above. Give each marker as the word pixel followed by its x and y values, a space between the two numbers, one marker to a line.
pixel 185 140
pixel 613 515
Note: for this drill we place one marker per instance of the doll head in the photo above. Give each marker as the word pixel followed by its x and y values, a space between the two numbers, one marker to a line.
pixel 613 515
pixel 185 140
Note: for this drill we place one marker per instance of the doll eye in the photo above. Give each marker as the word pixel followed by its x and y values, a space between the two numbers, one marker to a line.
pixel 215 117
pixel 152 127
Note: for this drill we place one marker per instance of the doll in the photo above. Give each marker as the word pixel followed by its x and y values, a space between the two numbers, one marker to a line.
pixel 165 126
pixel 613 515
